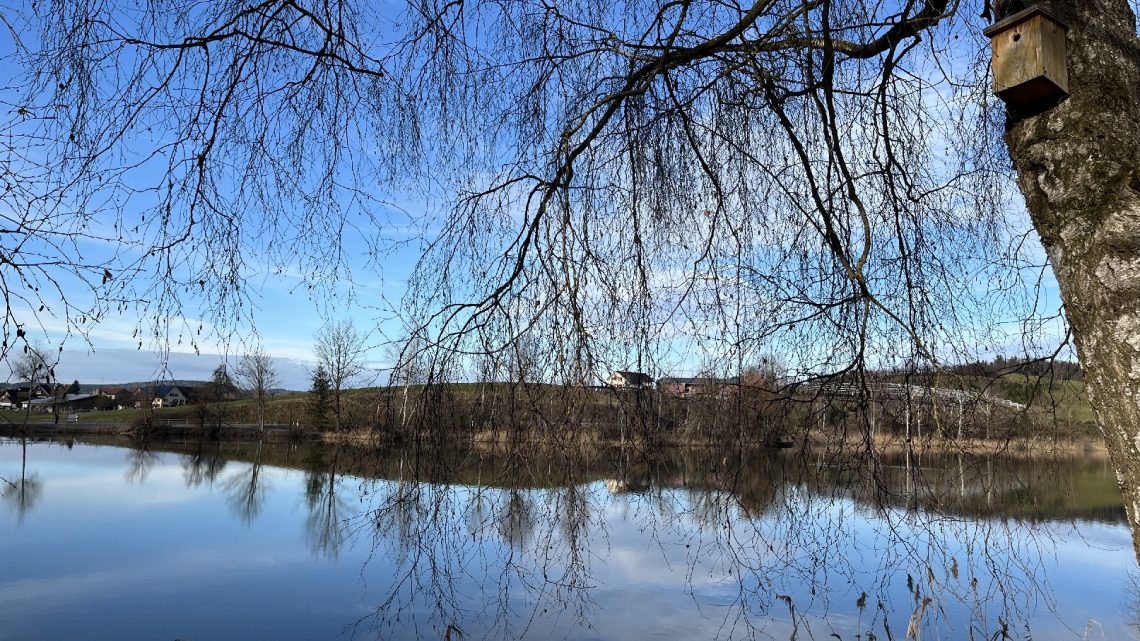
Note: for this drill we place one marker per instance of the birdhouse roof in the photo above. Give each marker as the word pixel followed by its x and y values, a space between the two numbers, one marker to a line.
pixel 1021 16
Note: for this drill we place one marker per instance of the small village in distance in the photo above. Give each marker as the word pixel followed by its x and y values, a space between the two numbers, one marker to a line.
pixel 77 398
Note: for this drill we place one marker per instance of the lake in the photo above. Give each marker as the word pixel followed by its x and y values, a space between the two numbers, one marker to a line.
pixel 207 540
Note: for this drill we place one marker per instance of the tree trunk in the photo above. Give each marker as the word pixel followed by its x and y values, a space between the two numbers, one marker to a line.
pixel 1078 165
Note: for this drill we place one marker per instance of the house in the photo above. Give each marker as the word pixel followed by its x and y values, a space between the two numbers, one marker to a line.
pixel 15 397
pixel 699 386
pixel 630 380
pixel 168 396
pixel 115 397
pixel 65 403
pixel 141 396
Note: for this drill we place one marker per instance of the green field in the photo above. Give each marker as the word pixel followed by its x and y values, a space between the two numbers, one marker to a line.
pixel 1064 400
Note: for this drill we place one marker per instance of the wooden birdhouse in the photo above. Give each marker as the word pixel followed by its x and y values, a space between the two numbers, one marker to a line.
pixel 1029 57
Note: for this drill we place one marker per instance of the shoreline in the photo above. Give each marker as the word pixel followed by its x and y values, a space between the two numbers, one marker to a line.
pixel 1010 447
pixel 814 440
pixel 228 432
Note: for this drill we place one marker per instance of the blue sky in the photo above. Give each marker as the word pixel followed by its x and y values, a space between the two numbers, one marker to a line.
pixel 285 318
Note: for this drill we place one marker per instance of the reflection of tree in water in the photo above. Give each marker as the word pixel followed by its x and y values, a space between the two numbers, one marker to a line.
pixel 326 524
pixel 204 464
pixel 140 459
pixel 441 536
pixel 828 539
pixel 516 519
pixel 22 492
pixel 809 548
pixel 246 488
pixel 571 545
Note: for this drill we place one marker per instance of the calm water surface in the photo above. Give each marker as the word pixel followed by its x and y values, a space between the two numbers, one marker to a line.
pixel 203 541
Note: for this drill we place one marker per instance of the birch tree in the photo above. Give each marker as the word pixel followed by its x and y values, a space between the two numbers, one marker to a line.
pixel 1077 168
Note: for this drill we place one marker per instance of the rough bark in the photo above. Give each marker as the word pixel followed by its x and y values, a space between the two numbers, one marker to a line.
pixel 1078 164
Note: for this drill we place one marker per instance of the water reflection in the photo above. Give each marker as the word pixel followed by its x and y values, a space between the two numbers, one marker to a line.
pixel 140 460
pixel 204 464
pixel 832 544
pixel 247 487
pixel 22 492
pixel 326 525
pixel 689 543
pixel 516 520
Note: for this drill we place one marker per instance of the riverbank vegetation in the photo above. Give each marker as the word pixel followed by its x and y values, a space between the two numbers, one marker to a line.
pixel 976 408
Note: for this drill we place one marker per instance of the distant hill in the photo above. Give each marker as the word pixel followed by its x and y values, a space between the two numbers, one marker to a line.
pixel 1001 366
pixel 87 388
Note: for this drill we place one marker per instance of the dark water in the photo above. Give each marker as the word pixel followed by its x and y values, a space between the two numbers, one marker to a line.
pixel 204 541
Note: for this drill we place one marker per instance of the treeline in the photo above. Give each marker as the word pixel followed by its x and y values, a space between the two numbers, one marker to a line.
pixel 499 413
pixel 1038 367
pixel 559 416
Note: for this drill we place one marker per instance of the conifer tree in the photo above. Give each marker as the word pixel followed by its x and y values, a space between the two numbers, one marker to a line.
pixel 319 394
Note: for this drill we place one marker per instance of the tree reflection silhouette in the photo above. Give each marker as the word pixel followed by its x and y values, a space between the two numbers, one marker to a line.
pixel 246 488
pixel 516 519
pixel 23 493
pixel 204 465
pixel 140 460
pixel 326 524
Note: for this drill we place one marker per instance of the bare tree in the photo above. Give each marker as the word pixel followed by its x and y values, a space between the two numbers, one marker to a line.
pixel 256 376
pixel 32 366
pixel 340 351
pixel 409 366
pixel 408 369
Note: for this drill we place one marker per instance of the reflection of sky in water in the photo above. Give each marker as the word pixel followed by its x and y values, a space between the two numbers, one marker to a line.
pixel 107 552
